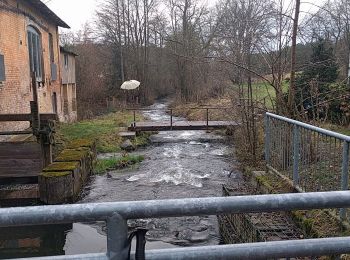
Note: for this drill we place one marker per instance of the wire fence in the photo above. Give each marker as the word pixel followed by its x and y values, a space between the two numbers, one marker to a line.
pixel 314 158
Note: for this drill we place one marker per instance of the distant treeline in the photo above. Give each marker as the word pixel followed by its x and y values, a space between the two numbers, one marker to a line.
pixel 192 51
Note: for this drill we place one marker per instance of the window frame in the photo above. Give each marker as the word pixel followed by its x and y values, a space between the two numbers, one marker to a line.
pixel 34 42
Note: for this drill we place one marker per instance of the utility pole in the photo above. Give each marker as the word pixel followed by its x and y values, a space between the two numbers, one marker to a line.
pixel 291 93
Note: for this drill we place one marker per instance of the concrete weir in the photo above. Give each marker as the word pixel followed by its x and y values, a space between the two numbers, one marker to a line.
pixel 63 180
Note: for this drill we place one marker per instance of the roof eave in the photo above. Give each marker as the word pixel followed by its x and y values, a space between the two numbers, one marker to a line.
pixel 44 9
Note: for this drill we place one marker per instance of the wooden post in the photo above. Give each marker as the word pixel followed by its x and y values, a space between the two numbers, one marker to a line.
pixel 171 119
pixel 134 118
pixel 207 119
pixel 34 108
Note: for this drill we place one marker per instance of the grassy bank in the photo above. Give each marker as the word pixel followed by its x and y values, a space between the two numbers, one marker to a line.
pixel 104 165
pixel 265 94
pixel 103 129
pixel 185 109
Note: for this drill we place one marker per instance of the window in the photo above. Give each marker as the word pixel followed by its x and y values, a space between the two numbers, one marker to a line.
pixel 52 59
pixel 66 61
pixel 2 68
pixel 35 53
pixel 52 56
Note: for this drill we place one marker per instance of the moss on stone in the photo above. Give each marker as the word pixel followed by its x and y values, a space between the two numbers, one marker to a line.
pixel 62 167
pixel 71 155
pixel 55 174
pixel 78 143
pixel 264 181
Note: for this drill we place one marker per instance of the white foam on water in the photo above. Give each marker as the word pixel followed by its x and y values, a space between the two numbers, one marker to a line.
pixel 219 152
pixel 174 174
pixel 173 152
pixel 136 177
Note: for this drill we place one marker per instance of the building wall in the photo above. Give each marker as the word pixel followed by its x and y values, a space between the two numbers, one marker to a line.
pixel 16 92
pixel 69 87
pixel 68 72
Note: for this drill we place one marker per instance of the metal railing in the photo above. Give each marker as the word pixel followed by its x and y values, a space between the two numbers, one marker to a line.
pixel 170 111
pixel 315 159
pixel 116 214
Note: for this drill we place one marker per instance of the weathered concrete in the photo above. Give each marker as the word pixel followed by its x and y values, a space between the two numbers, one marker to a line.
pixel 19 191
pixel 127 135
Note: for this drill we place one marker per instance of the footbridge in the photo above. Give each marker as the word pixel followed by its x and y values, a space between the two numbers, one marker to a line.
pixel 173 124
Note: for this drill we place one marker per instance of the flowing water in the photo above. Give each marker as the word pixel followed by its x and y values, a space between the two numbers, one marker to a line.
pixel 178 164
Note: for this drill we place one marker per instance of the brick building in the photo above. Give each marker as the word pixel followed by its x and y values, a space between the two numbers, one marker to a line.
pixel 29 43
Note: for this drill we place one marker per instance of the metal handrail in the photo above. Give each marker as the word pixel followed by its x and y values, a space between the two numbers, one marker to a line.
pixel 296 139
pixel 310 127
pixel 116 215
pixel 171 208
pixel 170 110
pixel 248 251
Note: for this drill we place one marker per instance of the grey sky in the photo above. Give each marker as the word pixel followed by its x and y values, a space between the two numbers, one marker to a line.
pixel 74 12
pixel 78 12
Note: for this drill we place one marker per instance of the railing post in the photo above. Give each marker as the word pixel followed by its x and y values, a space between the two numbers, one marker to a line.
pixel 207 118
pixel 171 119
pixel 345 174
pixel 267 139
pixel 134 118
pixel 296 141
pixel 117 238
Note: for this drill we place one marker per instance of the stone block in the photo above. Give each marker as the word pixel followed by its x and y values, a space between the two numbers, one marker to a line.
pixel 56 187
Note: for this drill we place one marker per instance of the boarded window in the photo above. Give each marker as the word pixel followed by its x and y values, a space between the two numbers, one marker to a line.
pixel 66 61
pixel 53 71
pixel 2 68
pixel 52 56
pixel 35 53
pixel 52 59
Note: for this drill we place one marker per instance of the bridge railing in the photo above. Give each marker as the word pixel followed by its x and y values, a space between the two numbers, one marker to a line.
pixel 170 111
pixel 116 214
pixel 315 159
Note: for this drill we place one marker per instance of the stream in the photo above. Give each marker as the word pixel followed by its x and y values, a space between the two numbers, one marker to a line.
pixel 178 164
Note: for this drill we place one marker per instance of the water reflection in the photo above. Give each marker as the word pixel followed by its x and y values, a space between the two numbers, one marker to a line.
pixel 33 241
pixel 67 239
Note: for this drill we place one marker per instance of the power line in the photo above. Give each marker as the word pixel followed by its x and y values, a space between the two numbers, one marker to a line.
pixel 48 1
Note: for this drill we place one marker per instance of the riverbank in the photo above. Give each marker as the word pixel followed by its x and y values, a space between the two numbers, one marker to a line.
pixel 104 129
pixel 186 109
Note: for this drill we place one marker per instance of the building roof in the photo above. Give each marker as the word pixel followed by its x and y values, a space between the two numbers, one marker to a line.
pixel 65 50
pixel 42 8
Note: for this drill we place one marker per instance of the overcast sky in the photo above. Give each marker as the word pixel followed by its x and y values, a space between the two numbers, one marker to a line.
pixel 74 12
pixel 78 12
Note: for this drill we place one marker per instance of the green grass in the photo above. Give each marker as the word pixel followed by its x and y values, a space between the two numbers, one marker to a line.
pixel 104 165
pixel 336 128
pixel 103 129
pixel 265 91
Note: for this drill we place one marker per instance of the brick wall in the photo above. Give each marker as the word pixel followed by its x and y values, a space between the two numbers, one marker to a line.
pixel 16 91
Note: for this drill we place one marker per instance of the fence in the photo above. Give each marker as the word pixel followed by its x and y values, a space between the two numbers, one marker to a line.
pixel 116 214
pixel 314 158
